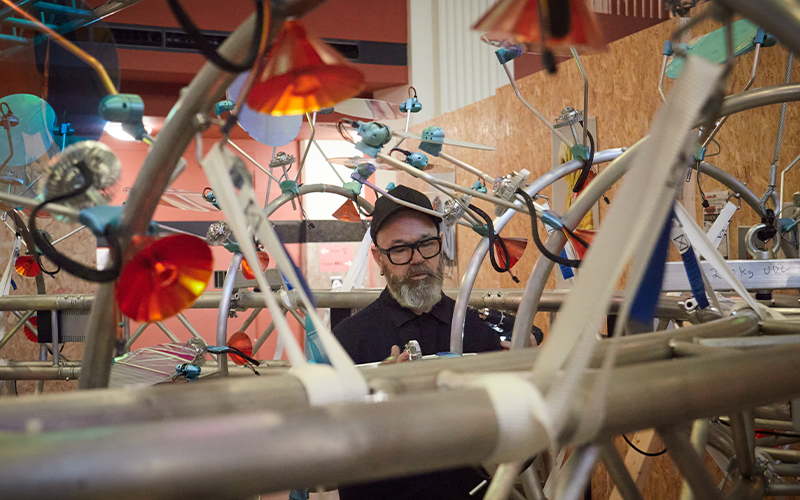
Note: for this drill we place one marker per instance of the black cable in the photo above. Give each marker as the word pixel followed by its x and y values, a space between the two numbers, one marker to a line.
pixel 642 452
pixel 494 238
pixel 576 237
pixel 62 261
pixel 200 43
pixel 587 165
pixel 702 194
pixel 535 230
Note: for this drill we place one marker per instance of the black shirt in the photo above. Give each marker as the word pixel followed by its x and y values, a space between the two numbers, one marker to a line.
pixel 368 336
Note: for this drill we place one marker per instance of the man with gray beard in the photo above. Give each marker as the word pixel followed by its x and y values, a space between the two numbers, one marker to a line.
pixel 407 248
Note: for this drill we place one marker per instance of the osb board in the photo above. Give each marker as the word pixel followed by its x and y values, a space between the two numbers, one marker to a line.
pixel 624 97
pixel 80 246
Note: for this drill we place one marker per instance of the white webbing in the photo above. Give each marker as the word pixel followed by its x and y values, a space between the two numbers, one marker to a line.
pixel 242 211
pixel 709 252
pixel 642 203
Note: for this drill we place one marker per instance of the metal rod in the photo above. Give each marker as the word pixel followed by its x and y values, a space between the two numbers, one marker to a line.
pixel 168 332
pixel 224 311
pixel 311 122
pixel 531 485
pixel 535 111
pixel 585 94
pixel 264 336
pixel 14 329
pixel 783 183
pixel 661 79
pixel 743 434
pixel 698 438
pixel 469 168
pixel 68 235
pixel 26 201
pixel 576 473
pixel 503 481
pixel 253 161
pixel 618 472
pixel 135 335
pixel 250 319
pixel 689 463
pixel 317 188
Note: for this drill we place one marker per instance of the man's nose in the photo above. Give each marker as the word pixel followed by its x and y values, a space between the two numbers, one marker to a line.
pixel 416 257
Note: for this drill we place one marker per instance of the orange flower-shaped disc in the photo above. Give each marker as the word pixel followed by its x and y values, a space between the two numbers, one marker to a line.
pixel 516 247
pixel 347 212
pixel 240 341
pixel 164 277
pixel 263 261
pixel 302 74
pixel 27 266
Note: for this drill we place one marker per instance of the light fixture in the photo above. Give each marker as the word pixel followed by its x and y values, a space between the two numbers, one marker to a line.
pixel 302 74
pixel 263 261
pixel 116 131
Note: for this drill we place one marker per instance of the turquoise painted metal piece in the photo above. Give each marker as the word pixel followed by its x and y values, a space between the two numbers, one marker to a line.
pixel 712 46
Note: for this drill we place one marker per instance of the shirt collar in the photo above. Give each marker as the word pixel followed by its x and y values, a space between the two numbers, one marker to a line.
pixel 400 315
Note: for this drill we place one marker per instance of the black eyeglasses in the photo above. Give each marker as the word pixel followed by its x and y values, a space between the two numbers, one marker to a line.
pixel 400 255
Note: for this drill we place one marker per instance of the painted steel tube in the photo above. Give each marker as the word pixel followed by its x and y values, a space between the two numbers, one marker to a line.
pixel 471 272
pixel 14 329
pixel 282 391
pixel 775 488
pixel 571 218
pixel 316 188
pixel 743 434
pixel 689 463
pixel 763 96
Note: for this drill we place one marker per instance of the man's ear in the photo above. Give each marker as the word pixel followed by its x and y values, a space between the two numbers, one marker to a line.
pixel 376 254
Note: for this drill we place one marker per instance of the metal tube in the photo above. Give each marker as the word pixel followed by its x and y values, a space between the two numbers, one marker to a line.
pixel 531 485
pixel 661 80
pixel 253 161
pixel 250 319
pixel 618 472
pixel 731 183
pixel 58 372
pixel 775 488
pixel 699 439
pixel 171 336
pixel 781 454
pixel 68 235
pixel 316 188
pixel 535 111
pixel 469 168
pixel 576 473
pixel 502 481
pixel 783 175
pixel 135 335
pixel 471 272
pixel 279 392
pixel 743 434
pixel 763 96
pixel 264 336
pixel 14 329
pixel 689 463
pixel 585 95
pixel 534 288
pixel 224 311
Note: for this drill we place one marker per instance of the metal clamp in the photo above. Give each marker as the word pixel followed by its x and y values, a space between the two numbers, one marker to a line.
pixel 738 197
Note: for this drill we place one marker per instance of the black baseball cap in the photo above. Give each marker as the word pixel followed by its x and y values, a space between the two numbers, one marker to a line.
pixel 386 207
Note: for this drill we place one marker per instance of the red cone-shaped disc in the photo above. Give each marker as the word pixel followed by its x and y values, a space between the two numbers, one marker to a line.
pixel 263 260
pixel 347 212
pixel 516 247
pixel 164 277
pixel 241 341
pixel 586 235
pixel 27 266
pixel 302 74
pixel 29 333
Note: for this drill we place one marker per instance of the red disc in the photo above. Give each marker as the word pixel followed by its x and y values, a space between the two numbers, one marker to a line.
pixel 241 341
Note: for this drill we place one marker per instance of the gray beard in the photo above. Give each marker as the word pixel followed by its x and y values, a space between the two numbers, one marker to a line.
pixel 417 295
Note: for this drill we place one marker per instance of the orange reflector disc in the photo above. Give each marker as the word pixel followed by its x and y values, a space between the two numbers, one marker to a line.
pixel 347 212
pixel 27 266
pixel 29 333
pixel 164 277
pixel 263 261
pixel 241 341
pixel 302 74
pixel 516 247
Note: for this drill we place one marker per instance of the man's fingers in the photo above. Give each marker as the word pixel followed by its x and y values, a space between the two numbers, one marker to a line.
pixel 405 356
pixel 393 356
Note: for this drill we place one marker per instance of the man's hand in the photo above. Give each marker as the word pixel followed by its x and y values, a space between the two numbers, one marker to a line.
pixel 396 356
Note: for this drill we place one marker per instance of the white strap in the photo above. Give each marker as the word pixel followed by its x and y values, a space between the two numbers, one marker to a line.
pixel 322 383
pixel 355 275
pixel 717 230
pixel 524 422
pixel 711 254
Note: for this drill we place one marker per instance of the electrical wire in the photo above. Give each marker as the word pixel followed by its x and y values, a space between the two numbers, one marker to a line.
pixel 587 165
pixel 62 261
pixel 535 230
pixel 642 452
pixel 495 239
pixel 200 43
pixel 702 194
